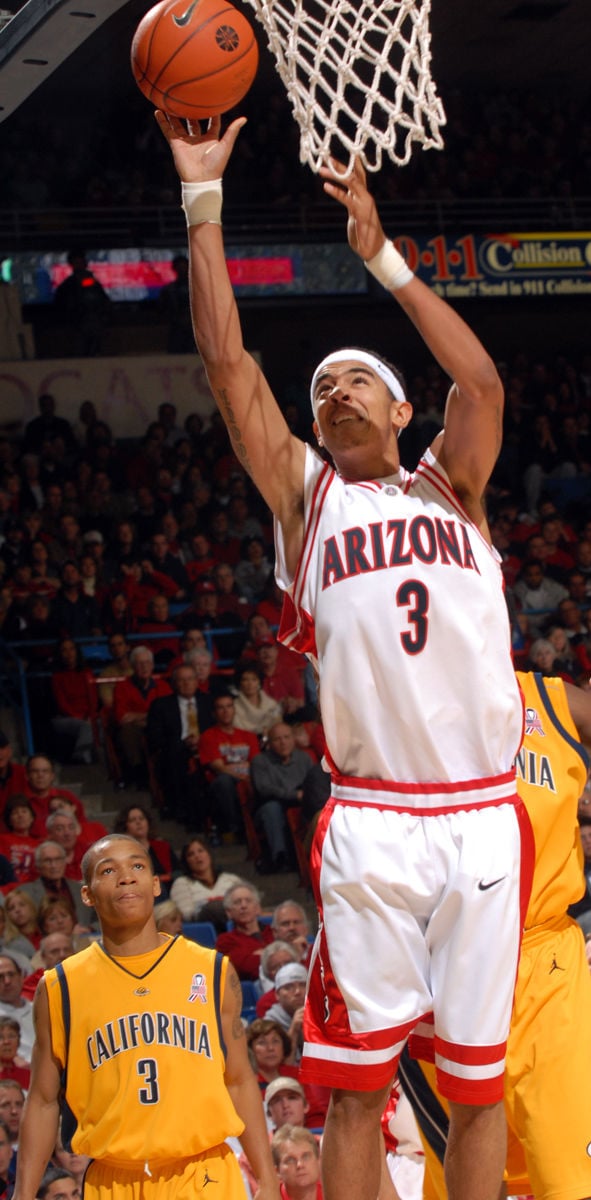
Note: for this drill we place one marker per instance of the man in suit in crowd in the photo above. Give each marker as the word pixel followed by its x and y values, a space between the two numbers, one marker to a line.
pixel 173 731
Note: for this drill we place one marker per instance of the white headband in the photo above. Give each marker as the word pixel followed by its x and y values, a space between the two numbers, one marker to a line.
pixel 362 356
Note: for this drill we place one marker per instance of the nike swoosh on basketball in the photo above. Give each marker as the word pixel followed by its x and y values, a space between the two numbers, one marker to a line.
pixel 483 887
pixel 186 17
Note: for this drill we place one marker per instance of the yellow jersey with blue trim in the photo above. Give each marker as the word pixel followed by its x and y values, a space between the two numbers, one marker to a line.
pixel 551 774
pixel 140 1043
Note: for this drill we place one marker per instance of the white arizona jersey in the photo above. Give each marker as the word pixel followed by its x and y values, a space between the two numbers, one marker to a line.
pixel 398 601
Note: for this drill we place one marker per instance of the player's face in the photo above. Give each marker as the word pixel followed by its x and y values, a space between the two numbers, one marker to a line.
pixel 122 886
pixel 351 402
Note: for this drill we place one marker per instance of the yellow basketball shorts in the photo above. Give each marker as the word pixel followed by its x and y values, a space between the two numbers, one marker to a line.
pixel 547 1075
pixel 213 1175
pixel 547 1070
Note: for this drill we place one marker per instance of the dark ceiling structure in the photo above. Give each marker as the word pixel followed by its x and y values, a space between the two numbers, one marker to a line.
pixel 506 44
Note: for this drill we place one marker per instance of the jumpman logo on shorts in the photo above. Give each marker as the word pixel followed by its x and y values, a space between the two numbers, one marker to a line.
pixel 207 1179
pixel 555 966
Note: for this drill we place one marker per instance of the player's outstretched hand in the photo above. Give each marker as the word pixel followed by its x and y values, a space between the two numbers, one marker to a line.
pixel 364 228
pixel 198 155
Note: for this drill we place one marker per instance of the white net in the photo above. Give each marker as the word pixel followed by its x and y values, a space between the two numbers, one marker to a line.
pixel 357 74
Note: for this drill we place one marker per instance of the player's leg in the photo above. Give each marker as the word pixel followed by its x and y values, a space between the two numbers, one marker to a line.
pixel 476 1150
pixel 352 1144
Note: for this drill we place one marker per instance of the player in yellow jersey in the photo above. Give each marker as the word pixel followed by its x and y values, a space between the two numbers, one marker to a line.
pixel 547 1077
pixel 142 1035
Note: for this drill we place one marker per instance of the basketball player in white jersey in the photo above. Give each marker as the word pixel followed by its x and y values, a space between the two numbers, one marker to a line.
pixel 422 855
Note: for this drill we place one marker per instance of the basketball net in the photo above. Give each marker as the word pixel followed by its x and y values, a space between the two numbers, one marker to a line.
pixel 357 74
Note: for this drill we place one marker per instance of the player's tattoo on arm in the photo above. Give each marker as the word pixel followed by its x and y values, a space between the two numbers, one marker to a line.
pixel 233 429
pixel 237 1026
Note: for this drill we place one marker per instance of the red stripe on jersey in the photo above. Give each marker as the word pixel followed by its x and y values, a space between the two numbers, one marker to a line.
pixel 323 485
pixel 296 629
pixel 437 481
pixel 385 785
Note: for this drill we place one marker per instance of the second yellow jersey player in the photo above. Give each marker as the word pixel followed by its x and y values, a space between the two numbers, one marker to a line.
pixel 547 1081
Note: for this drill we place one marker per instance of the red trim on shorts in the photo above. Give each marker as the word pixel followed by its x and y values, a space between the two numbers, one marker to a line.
pixel 469 1055
pixel 471 1091
pixel 350 1077
pixel 326 1020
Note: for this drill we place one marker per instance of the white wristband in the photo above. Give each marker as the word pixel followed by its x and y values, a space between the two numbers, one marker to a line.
pixel 202 202
pixel 389 268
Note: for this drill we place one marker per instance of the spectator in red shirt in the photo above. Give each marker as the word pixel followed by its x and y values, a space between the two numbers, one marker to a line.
pixel 166 563
pixel 75 696
pixel 225 753
pixel 140 582
pixel 201 561
pixel 12 1064
pixel 245 942
pixel 18 845
pixel 41 790
pixel 165 648
pixel 131 700
pixel 280 681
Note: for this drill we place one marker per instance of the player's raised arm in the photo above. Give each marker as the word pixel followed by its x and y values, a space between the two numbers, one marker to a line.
pixel 39 1125
pixel 259 433
pixel 473 417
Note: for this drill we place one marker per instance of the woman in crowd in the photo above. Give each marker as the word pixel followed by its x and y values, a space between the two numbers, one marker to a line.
pixel 198 891
pixel 21 931
pixel 135 820
pixel 270 1050
pixel 255 710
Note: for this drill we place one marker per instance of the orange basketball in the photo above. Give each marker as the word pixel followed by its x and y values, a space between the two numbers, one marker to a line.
pixel 194 58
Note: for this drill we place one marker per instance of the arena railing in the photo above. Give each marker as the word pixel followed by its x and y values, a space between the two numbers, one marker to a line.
pixel 305 221
pixel 15 674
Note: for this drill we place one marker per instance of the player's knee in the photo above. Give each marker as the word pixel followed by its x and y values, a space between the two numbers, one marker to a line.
pixel 357 1109
pixel 463 1115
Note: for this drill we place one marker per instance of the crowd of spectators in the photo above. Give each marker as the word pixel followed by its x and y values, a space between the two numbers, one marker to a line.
pixel 497 144
pixel 137 590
